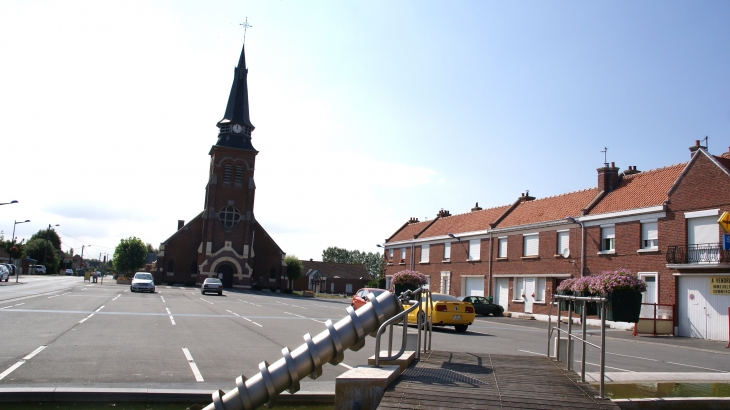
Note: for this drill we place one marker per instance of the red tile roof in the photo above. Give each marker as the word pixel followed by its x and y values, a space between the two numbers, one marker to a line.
pixel 724 160
pixel 551 208
pixel 640 190
pixel 468 222
pixel 407 232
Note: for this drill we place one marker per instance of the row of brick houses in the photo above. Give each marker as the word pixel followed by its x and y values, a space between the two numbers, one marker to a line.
pixel 660 224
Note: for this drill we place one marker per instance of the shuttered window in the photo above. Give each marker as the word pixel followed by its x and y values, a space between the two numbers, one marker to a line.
pixel 390 255
pixel 649 235
pixel 563 242
pixel 502 248
pixel 474 249
pixel 608 239
pixel 531 244
pixel 518 286
pixel 402 255
pixel 447 251
pixel 540 291
pixel 425 249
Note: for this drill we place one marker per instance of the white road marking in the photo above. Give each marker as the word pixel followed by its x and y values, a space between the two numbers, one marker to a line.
pixel 206 301
pixel 318 321
pixel 294 314
pixel 346 366
pixel 193 366
pixel 6 307
pixel 19 304
pixel 655 360
pixel 167 287
pixel 527 351
pixel 20 363
pixel 183 288
pixel 256 324
pixel 249 303
pixel 243 317
pixel 609 367
pixel 117 297
pixel 170 315
pixel 54 296
pixel 89 317
pixel 163 299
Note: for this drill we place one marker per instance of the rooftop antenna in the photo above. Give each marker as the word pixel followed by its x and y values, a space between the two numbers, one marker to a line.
pixel 605 160
pixel 707 143
pixel 245 27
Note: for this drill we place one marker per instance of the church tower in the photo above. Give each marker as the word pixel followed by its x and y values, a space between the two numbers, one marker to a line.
pixel 225 240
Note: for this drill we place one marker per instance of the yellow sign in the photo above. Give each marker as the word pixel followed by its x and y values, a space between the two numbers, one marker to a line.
pixel 720 285
pixel 724 221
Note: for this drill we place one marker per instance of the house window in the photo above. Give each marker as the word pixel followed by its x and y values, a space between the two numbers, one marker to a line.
pixel 608 239
pixel 390 255
pixel 649 235
pixel 474 247
pixel 229 216
pixel 403 256
pixel 193 268
pixel 447 251
pixel 445 282
pixel 171 266
pixel 348 288
pixel 563 242
pixel 502 248
pixel 227 174
pixel 272 274
pixel 424 253
pixel 540 291
pixel 519 286
pixel 531 244
pixel 388 280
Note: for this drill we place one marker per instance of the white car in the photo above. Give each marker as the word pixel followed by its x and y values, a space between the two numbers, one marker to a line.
pixel 143 282
pixel 212 285
pixel 4 273
pixel 40 269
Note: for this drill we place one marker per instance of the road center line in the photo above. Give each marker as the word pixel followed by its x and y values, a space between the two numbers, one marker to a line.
pixel 206 301
pixel 117 297
pixel 163 299
pixel 193 366
pixel 20 363
pixel 170 315
pixel 294 314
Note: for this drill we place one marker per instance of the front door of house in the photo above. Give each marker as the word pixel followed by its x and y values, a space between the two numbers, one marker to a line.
pixel 502 294
pixel 529 294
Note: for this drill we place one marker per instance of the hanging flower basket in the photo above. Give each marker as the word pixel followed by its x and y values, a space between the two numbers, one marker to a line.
pixel 564 289
pixel 623 291
pixel 408 280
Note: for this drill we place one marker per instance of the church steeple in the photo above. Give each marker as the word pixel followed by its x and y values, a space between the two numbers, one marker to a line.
pixel 235 127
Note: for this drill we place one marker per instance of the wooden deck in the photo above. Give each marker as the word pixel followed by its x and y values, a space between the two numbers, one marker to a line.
pixel 444 380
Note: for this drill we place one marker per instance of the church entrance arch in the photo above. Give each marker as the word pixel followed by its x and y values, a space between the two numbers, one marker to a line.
pixel 225 274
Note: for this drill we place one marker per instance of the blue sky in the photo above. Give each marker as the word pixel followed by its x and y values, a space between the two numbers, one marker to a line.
pixel 366 113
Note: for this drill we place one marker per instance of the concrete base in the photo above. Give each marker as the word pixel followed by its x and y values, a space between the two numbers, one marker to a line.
pixel 674 403
pixel 362 388
pixel 406 359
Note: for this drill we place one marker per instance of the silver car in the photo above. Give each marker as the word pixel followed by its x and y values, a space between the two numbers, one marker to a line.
pixel 4 273
pixel 143 282
pixel 212 285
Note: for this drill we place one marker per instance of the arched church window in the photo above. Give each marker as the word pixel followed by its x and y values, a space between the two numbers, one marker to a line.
pixel 272 274
pixel 229 216
pixel 170 266
pixel 227 174
pixel 193 268
pixel 239 176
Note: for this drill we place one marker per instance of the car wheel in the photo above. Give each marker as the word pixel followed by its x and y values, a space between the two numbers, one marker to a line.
pixel 498 312
pixel 460 328
pixel 202 293
pixel 131 289
pixel 220 293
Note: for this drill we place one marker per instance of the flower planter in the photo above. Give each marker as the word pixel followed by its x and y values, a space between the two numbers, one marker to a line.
pixel 404 287
pixel 624 306
pixel 564 303
pixel 591 307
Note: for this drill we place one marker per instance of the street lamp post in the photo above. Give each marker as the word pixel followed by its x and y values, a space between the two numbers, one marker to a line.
pixel 45 245
pixel 12 242
pixel 81 262
pixel 11 202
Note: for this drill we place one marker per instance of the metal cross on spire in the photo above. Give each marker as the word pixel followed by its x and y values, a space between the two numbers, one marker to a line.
pixel 245 27
pixel 605 159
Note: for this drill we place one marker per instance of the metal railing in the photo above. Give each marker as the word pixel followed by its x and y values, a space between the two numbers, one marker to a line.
pixel 697 253
pixel 569 351
pixel 655 319
pixel 424 323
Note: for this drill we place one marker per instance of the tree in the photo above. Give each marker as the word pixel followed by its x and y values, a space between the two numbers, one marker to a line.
pixel 374 262
pixel 152 249
pixel 129 255
pixel 294 268
pixel 49 234
pixel 39 248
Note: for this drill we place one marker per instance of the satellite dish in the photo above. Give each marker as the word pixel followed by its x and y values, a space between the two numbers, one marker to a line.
pixel 566 253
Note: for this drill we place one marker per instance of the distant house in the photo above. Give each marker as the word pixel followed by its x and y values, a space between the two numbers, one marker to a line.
pixel 150 262
pixel 4 256
pixel 331 277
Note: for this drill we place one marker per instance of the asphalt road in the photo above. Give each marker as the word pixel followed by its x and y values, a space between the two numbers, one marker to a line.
pixel 61 331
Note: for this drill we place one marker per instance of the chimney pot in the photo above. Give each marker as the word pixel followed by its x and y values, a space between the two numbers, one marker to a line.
pixel 180 224
pixel 697 143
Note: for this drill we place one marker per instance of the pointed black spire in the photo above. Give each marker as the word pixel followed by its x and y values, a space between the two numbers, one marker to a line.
pixel 235 127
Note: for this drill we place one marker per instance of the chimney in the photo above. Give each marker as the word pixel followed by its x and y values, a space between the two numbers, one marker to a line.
pixel 693 149
pixel 442 213
pixel 726 154
pixel 607 178
pixel 413 220
pixel 180 224
pixel 526 197
pixel 632 170
pixel 476 208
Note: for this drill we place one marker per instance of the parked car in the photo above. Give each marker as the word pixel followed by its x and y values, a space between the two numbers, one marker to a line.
pixel 11 268
pixel 142 282
pixel 4 273
pixel 212 285
pixel 360 297
pixel 483 306
pixel 39 269
pixel 447 311
pixel 69 272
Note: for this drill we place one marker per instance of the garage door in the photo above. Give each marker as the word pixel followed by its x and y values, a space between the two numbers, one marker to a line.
pixel 474 286
pixel 701 314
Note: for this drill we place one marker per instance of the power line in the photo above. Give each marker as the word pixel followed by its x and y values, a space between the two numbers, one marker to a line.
pixel 84 242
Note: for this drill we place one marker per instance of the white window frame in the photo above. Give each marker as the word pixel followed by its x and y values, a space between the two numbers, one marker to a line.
pixel 528 248
pixel 650 235
pixel 348 288
pixel 475 247
pixel 447 251
pixel 447 276
pixel 502 241
pixel 563 234
pixel 402 260
pixel 518 285
pixel 425 250
pixel 643 275
pixel 388 281
pixel 390 253
pixel 608 238
pixel 540 286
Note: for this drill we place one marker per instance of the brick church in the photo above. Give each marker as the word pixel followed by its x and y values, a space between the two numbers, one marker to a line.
pixel 225 240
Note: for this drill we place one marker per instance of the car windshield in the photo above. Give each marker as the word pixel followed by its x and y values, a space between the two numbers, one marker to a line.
pixel 145 276
pixel 212 280
pixel 438 297
pixel 375 292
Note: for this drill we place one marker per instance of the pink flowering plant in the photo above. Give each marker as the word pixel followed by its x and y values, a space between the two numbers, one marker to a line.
pixel 611 281
pixel 409 277
pixel 565 285
pixel 582 284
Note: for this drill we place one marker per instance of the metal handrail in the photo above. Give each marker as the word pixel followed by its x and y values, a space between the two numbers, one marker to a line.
pixel 388 324
pixel 582 338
